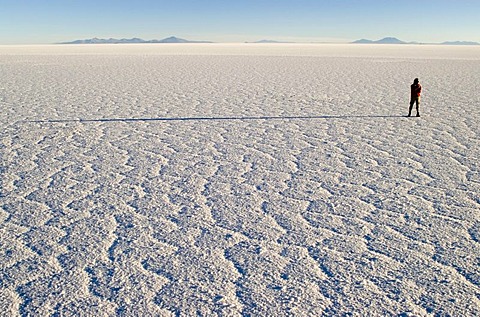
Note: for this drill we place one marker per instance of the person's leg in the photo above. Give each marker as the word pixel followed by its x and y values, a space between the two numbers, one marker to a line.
pixel 418 106
pixel 411 106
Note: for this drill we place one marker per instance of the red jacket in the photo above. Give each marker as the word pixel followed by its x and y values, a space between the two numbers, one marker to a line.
pixel 416 90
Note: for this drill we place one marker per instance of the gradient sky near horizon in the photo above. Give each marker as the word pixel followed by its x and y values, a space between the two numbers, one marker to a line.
pixel 53 21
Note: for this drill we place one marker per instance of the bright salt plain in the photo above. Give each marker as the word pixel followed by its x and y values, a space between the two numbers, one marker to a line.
pixel 258 180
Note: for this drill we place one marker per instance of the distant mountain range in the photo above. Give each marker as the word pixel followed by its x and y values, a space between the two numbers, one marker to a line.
pixel 386 40
pixel 267 42
pixel 461 43
pixel 173 39
pixel 134 40
pixel 137 40
pixel 393 40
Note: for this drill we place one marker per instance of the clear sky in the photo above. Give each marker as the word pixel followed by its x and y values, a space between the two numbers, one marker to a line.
pixel 51 21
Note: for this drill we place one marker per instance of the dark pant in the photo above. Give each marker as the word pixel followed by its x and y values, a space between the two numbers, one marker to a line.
pixel 415 100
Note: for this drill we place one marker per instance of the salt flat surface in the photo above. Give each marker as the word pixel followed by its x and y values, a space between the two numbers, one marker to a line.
pixel 239 180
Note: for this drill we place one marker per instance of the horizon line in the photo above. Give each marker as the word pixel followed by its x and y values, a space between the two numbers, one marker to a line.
pixel 266 40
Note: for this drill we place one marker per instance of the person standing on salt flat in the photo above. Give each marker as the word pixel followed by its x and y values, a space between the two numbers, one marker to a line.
pixel 416 90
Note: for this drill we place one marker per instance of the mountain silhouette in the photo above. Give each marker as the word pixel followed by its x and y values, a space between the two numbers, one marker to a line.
pixel 386 40
pixel 134 40
pixel 393 40
pixel 460 43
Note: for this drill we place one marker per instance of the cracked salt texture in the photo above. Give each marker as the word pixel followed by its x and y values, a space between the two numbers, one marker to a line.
pixel 230 180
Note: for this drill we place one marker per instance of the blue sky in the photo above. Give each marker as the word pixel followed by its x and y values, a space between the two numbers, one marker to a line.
pixel 50 21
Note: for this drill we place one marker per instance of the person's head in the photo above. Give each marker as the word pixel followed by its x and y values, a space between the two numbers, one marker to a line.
pixel 415 81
